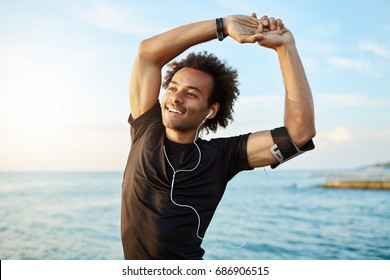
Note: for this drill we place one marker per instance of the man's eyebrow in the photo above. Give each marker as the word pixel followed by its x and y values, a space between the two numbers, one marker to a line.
pixel 189 87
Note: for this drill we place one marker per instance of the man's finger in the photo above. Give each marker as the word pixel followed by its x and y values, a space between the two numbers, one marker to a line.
pixel 272 23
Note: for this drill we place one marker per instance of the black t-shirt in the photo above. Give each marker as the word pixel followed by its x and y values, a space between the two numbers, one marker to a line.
pixel 152 226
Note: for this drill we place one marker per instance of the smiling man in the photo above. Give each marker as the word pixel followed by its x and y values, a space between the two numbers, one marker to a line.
pixel 174 180
pixel 186 103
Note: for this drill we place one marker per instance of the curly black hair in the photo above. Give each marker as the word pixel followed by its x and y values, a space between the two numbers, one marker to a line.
pixel 225 90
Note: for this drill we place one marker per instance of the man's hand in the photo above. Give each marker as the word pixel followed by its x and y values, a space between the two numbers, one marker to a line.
pixel 268 32
pixel 243 29
pixel 275 34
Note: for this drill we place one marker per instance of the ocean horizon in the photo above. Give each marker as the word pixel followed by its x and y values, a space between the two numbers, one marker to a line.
pixel 264 214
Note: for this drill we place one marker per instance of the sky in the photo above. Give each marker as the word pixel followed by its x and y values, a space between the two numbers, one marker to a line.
pixel 65 67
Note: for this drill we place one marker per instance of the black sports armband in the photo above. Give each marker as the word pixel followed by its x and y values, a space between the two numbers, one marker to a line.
pixel 284 148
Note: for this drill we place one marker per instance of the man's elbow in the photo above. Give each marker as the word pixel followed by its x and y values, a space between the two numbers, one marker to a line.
pixel 310 130
pixel 144 49
pixel 147 52
pixel 310 134
pixel 301 132
pixel 305 136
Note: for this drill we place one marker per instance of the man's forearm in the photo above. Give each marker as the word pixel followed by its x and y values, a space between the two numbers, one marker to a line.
pixel 299 108
pixel 164 47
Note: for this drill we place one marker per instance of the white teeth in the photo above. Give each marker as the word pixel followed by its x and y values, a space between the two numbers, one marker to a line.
pixel 174 111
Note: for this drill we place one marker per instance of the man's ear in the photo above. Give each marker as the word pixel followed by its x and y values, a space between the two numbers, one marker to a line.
pixel 215 109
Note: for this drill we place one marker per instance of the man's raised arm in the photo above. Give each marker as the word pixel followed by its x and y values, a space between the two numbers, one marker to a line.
pixel 299 109
pixel 155 52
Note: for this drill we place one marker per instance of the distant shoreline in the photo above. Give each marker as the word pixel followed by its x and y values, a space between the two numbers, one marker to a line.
pixel 352 175
pixel 360 184
pixel 378 166
pixel 377 179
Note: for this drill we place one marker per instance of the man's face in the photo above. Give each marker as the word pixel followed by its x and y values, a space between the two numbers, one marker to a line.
pixel 185 102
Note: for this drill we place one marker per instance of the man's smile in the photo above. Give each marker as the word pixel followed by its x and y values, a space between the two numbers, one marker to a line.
pixel 175 110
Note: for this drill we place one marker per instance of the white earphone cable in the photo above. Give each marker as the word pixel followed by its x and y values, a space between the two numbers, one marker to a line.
pixel 187 170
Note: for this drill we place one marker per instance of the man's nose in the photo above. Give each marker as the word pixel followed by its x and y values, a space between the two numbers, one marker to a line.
pixel 177 97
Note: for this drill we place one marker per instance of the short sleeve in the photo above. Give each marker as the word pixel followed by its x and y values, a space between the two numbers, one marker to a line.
pixel 147 120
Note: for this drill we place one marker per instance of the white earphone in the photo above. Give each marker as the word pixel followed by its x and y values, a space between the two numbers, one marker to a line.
pixel 207 116
pixel 188 170
pixel 176 171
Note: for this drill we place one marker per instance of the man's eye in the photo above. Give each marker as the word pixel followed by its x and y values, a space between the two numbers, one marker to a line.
pixel 191 94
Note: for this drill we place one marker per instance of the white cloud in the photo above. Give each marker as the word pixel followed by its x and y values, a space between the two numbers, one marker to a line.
pixel 336 136
pixel 359 65
pixel 385 134
pixel 349 100
pixel 112 18
pixel 342 147
pixel 260 100
pixel 376 49
pixel 117 17
pixel 363 65
pixel 339 135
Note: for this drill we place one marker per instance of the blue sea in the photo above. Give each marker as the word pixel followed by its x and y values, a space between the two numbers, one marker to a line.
pixel 264 214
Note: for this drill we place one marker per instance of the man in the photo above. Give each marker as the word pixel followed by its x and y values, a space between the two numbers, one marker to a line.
pixel 173 180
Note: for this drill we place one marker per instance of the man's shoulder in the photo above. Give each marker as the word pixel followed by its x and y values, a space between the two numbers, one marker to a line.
pixel 152 115
pixel 147 124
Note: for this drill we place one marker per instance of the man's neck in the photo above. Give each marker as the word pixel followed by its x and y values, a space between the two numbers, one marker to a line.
pixel 182 137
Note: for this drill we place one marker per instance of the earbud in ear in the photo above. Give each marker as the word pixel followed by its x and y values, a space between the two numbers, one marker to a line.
pixel 207 116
